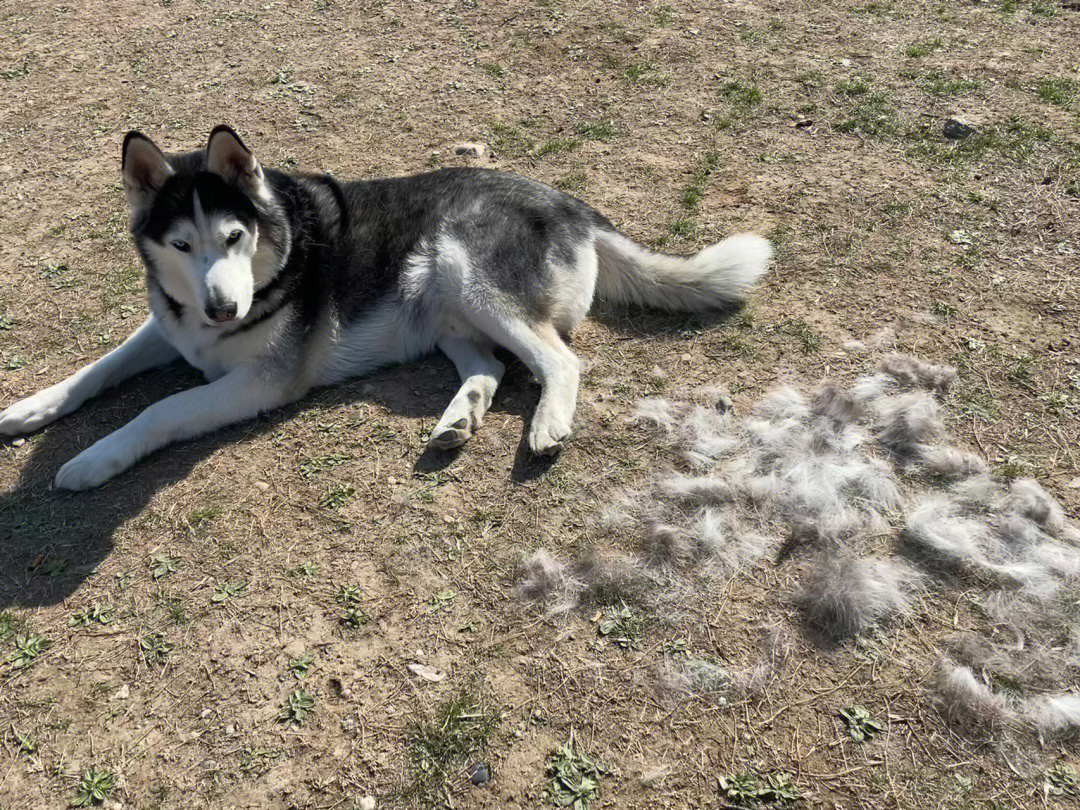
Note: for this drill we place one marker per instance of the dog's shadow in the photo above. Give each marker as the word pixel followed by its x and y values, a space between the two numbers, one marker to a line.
pixel 52 540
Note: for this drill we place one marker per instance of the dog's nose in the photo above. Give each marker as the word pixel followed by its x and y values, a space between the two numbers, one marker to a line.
pixel 222 314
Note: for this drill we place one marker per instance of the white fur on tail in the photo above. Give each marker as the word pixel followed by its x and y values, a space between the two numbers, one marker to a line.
pixel 717 276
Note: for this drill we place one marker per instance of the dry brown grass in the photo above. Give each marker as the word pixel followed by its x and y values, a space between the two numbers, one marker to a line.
pixel 824 120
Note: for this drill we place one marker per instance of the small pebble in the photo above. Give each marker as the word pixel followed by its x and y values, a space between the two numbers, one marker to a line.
pixel 18 443
pixel 366 803
pixel 957 129
pixel 481 774
pixel 471 149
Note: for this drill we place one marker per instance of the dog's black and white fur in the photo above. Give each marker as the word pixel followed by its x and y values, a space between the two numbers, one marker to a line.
pixel 272 284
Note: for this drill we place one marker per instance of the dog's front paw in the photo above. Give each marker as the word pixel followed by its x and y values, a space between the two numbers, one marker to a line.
pixel 548 434
pixel 93 466
pixel 35 411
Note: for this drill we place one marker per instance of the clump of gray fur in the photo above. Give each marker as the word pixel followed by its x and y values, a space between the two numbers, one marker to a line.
pixel 843 596
pixel 834 401
pixel 546 579
pixel 913 371
pixel 1028 498
pixel 701 489
pixel 950 462
pixel 908 422
pixel 963 696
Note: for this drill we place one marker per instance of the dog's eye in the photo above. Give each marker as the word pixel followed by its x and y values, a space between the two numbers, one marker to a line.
pixel 182 246
pixel 234 237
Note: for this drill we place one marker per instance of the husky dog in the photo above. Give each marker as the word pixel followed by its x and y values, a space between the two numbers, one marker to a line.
pixel 272 284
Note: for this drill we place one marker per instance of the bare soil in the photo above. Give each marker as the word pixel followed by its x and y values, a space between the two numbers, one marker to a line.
pixel 825 119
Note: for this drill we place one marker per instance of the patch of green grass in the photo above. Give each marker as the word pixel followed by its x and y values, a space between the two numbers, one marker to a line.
pixel 811 79
pixel 691 198
pixel 800 329
pixel 1014 139
pixel 937 83
pixel 311 467
pixel 338 497
pixel 508 139
pixel 1045 8
pixel 202 517
pixel 575 182
pixel 922 47
pixel 874 117
pixel 95 614
pixel 556 146
pixel 978 401
pixel 439 745
pixel 155 649
pixel 162 565
pixel 664 16
pixel 622 626
pixel 861 725
pixel 302 665
pixel 229 590
pixel 297 708
pixel 1023 372
pixel 1057 91
pixel 683 228
pixel 853 88
pixel 744 96
pixel 575 777
pixel 597 130
pixel 647 73
pixel 1012 467
pixel 27 650
pixel 495 70
pixel 176 609
pixel 94 788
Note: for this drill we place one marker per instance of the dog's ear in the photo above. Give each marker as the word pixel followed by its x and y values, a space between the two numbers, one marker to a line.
pixel 227 157
pixel 144 170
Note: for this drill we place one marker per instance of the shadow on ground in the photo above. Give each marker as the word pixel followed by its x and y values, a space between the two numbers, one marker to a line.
pixel 51 541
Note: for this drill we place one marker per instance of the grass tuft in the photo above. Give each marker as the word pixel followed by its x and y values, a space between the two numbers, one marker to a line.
pixel 461 728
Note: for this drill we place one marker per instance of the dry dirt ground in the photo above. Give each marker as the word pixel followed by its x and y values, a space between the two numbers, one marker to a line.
pixel 225 560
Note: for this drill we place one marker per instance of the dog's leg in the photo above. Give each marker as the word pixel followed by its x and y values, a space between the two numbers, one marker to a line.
pixel 241 394
pixel 554 365
pixel 480 375
pixel 144 349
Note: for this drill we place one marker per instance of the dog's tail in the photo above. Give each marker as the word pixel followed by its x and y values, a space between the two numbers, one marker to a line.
pixel 718 276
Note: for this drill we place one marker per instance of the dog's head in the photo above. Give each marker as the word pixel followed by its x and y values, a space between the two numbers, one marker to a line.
pixel 196 220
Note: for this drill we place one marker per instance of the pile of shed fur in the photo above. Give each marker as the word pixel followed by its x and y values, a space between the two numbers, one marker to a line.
pixel 859 486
